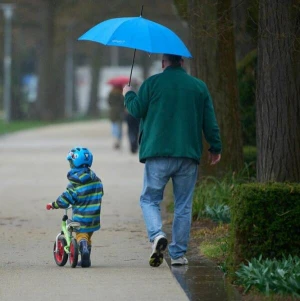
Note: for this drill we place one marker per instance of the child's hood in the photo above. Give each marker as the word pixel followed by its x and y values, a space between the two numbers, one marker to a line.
pixel 81 175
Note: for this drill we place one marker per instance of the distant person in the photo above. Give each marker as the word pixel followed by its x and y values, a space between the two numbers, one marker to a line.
pixel 116 114
pixel 175 109
pixel 84 192
pixel 133 125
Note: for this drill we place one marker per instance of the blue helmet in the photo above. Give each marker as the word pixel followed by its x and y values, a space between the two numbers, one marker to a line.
pixel 79 157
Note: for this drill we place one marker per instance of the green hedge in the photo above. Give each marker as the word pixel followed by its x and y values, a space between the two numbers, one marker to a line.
pixel 265 220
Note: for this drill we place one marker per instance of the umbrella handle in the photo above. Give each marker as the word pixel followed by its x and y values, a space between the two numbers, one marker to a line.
pixel 131 67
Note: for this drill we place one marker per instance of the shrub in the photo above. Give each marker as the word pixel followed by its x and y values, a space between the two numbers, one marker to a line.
pixel 218 213
pixel 265 220
pixel 216 194
pixel 271 276
pixel 210 192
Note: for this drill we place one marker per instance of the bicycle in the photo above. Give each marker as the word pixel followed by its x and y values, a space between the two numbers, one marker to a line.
pixel 65 245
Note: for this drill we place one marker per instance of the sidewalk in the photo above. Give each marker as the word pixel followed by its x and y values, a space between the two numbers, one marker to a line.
pixel 33 172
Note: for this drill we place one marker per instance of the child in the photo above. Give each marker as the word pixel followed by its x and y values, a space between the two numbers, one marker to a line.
pixel 84 192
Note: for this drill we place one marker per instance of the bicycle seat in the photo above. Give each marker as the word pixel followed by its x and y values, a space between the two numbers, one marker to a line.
pixel 72 225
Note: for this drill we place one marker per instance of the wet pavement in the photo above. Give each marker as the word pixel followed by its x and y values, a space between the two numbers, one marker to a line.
pixel 201 280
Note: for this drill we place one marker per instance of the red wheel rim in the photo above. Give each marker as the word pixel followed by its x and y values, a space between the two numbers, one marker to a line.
pixel 60 251
pixel 71 255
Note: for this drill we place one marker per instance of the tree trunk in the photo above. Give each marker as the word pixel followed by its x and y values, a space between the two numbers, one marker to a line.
pixel 278 92
pixel 46 74
pixel 93 109
pixel 245 31
pixel 213 49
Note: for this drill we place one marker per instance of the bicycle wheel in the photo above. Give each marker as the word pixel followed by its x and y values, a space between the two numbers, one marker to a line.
pixel 60 257
pixel 73 257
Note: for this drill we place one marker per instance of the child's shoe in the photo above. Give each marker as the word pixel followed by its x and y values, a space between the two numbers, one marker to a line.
pixel 85 254
pixel 90 250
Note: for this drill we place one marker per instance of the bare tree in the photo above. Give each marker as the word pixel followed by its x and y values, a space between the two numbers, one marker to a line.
pixel 278 91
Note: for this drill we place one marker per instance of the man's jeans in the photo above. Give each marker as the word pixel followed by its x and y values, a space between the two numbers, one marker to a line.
pixel 158 171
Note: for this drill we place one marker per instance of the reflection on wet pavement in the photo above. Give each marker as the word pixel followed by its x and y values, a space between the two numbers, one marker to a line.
pixel 203 281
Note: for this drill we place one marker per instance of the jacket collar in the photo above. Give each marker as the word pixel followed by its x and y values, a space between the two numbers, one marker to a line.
pixel 170 68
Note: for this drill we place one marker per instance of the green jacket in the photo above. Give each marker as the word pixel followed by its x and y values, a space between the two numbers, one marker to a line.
pixel 175 110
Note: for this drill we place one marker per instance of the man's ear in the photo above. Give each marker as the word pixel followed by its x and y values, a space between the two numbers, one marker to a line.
pixel 181 62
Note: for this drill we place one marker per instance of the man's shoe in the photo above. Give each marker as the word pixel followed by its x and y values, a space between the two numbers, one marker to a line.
pixel 159 245
pixel 179 261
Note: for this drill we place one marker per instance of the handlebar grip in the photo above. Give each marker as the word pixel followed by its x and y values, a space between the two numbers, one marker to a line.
pixel 49 206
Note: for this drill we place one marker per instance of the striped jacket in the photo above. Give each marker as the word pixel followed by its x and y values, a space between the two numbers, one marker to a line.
pixel 84 192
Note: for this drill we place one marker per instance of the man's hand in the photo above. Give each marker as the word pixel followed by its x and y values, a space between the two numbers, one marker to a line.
pixel 49 206
pixel 126 89
pixel 213 158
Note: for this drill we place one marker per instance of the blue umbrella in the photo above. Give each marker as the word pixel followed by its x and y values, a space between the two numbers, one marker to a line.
pixel 137 33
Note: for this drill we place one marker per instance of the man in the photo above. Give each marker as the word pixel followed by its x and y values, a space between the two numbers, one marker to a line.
pixel 175 109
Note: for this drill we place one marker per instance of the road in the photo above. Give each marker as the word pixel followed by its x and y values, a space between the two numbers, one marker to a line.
pixel 33 170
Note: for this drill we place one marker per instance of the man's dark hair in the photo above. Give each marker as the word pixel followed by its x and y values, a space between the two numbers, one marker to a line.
pixel 174 59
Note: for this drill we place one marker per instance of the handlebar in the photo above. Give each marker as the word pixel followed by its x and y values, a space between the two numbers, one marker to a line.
pixel 66 209
pixel 49 207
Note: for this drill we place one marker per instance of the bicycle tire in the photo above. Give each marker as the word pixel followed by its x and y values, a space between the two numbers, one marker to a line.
pixel 60 257
pixel 73 256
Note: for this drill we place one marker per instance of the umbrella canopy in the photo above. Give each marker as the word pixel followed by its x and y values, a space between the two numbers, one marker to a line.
pixel 137 33
pixel 119 80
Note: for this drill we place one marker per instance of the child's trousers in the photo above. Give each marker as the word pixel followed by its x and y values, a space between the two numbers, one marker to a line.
pixel 86 236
